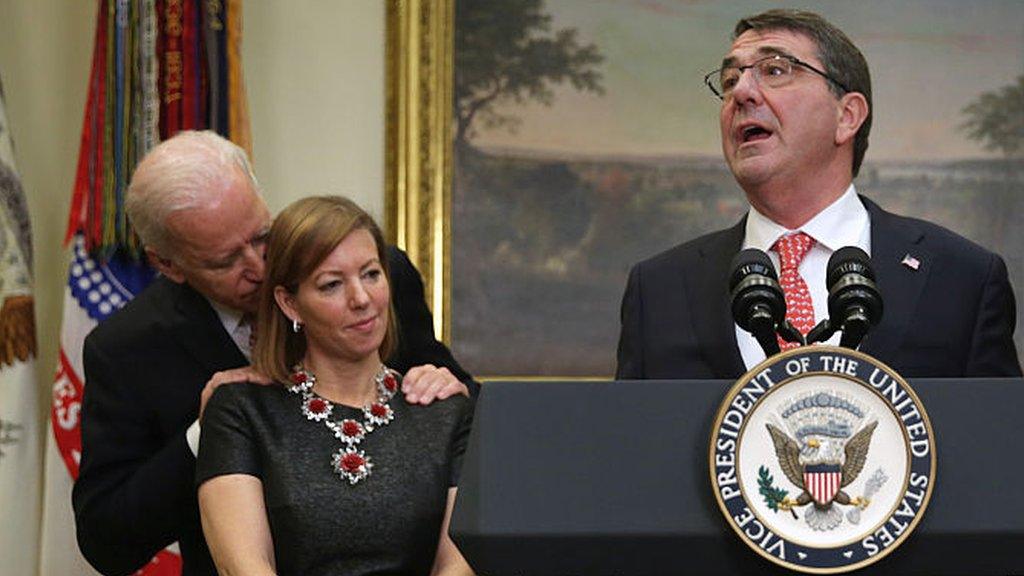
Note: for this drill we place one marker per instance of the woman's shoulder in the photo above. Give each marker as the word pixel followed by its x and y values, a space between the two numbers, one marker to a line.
pixel 453 409
pixel 247 394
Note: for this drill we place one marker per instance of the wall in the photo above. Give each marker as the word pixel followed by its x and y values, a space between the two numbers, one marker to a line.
pixel 315 77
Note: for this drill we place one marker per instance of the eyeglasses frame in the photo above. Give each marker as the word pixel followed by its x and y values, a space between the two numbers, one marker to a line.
pixel 753 65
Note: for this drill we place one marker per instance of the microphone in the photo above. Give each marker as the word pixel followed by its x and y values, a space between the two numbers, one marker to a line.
pixel 758 303
pixel 854 302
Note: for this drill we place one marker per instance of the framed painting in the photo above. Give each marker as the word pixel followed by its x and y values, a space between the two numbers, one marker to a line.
pixel 536 149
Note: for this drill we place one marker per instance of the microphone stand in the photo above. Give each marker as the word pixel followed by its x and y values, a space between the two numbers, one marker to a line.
pixel 854 329
pixel 789 333
pixel 763 328
pixel 822 332
pixel 767 334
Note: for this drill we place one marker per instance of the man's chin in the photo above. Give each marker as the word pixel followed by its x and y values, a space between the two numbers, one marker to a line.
pixel 751 171
pixel 251 306
pixel 247 304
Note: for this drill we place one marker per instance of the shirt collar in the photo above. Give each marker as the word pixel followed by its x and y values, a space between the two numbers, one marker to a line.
pixel 229 318
pixel 839 224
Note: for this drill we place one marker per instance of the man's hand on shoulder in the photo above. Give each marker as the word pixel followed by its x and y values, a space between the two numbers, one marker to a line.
pixel 424 384
pixel 244 374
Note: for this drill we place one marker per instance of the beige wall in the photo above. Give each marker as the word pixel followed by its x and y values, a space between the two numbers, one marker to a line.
pixel 315 73
pixel 45 49
pixel 315 76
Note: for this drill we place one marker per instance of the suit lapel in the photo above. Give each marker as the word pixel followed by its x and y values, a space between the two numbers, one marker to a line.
pixel 711 305
pixel 196 327
pixel 892 240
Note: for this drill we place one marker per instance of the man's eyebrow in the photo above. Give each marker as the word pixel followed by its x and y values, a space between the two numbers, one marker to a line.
pixel 761 51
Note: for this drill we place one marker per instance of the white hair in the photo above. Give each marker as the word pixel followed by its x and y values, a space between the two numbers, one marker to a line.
pixel 189 170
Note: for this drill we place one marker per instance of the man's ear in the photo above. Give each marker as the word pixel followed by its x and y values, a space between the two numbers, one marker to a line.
pixel 165 266
pixel 853 111
pixel 286 302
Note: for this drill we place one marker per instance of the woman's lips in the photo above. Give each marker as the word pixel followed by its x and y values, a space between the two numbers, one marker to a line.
pixel 363 325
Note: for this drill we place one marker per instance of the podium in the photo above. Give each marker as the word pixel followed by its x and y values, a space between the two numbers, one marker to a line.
pixel 598 478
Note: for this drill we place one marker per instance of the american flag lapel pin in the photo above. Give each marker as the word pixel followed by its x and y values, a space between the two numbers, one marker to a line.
pixel 911 262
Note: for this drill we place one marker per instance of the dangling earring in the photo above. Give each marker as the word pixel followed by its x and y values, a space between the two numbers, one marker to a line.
pixel 296 326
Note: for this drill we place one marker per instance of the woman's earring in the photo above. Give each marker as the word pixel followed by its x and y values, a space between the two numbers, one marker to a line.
pixel 296 326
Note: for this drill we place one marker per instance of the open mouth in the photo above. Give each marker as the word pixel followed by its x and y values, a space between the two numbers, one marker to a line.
pixel 754 133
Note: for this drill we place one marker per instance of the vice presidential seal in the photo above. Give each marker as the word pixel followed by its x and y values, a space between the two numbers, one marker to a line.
pixel 822 459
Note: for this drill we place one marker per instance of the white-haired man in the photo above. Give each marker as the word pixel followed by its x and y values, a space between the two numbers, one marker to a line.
pixel 195 204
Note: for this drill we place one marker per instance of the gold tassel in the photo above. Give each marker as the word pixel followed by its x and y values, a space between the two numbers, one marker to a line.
pixel 17 330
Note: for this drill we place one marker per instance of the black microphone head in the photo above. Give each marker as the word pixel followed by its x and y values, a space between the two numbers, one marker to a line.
pixel 846 260
pixel 851 287
pixel 756 295
pixel 750 261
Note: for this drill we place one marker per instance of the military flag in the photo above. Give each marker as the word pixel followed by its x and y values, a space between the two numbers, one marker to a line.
pixel 158 67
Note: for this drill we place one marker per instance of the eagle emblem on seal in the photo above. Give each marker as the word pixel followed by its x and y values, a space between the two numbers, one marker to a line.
pixel 822 446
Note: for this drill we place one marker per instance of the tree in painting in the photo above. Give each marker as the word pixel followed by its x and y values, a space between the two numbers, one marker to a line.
pixel 507 50
pixel 996 120
pixel 521 220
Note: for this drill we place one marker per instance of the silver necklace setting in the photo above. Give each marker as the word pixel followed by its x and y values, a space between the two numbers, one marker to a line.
pixel 349 462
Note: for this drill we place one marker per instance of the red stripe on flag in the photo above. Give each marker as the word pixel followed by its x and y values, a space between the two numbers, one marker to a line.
pixel 87 171
pixel 189 44
pixel 64 414
pixel 172 76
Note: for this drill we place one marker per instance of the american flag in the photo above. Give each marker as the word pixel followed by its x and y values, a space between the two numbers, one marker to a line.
pixel 911 262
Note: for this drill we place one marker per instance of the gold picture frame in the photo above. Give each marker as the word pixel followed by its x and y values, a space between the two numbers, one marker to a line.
pixel 418 143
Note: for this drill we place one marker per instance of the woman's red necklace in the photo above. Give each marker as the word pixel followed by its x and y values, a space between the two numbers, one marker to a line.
pixel 349 462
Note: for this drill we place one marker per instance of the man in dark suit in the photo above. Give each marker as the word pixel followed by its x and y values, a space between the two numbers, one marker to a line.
pixel 795 118
pixel 196 206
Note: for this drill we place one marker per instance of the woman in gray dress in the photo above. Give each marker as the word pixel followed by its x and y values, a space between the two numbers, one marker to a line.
pixel 330 472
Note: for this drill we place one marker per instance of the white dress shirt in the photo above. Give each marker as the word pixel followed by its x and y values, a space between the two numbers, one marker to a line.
pixel 845 222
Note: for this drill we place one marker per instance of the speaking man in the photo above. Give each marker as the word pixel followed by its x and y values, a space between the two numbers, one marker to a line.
pixel 195 204
pixel 795 118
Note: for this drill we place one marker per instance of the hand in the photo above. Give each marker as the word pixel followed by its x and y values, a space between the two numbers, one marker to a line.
pixel 424 384
pixel 244 374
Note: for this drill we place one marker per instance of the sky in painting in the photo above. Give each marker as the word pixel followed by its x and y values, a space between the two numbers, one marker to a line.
pixel 928 59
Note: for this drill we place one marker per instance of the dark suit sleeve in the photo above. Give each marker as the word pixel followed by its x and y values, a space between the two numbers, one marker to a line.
pixel 992 351
pixel 133 494
pixel 630 355
pixel 416 342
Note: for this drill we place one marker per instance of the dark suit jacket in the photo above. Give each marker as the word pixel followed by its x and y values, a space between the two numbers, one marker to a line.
pixel 952 317
pixel 145 368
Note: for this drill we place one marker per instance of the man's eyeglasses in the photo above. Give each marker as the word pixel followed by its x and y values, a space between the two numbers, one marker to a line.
pixel 773 71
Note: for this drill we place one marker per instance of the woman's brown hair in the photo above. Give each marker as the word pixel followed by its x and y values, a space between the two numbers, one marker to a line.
pixel 302 237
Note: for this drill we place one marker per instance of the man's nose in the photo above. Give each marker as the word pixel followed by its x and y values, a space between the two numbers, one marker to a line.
pixel 747 88
pixel 255 264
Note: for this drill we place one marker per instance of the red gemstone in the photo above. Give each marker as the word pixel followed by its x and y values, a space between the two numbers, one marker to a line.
pixel 378 410
pixel 390 383
pixel 351 428
pixel 298 377
pixel 352 462
pixel 317 406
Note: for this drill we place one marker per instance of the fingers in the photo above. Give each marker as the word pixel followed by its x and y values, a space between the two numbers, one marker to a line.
pixel 243 374
pixel 424 384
